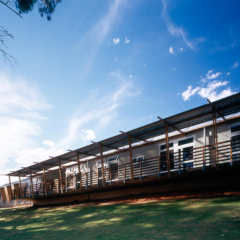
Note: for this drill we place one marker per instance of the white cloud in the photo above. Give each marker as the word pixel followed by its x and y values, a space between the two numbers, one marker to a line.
pixel 211 92
pixel 115 59
pixel 173 69
pixel 228 73
pixel 99 110
pixel 90 134
pixel 171 50
pixel 98 33
pixel 127 40
pixel 145 64
pixel 21 105
pixel 28 156
pixel 189 92
pixel 116 40
pixel 181 49
pixel 211 75
pixel 20 96
pixel 130 76
pixel 48 143
pixel 178 31
pixel 235 65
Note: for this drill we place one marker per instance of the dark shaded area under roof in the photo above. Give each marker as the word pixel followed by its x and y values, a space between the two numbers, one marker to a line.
pixel 225 106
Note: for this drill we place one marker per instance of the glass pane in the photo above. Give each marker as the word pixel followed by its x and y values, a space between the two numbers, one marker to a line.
pixel 236 143
pixel 112 159
pixel 235 128
pixel 134 160
pixel 185 141
pixel 188 155
pixel 236 157
pixel 164 146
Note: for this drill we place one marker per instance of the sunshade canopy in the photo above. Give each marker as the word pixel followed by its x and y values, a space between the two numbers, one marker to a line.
pixel 225 107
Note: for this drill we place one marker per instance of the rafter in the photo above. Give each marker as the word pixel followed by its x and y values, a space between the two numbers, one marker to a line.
pixel 137 137
pixel 108 146
pixel 84 153
pixel 217 110
pixel 171 125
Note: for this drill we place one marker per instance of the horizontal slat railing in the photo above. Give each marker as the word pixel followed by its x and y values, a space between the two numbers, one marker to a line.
pixel 204 157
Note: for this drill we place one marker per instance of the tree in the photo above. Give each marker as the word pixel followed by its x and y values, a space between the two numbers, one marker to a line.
pixel 19 7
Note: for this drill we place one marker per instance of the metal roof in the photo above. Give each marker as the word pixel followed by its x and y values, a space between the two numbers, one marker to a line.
pixel 225 106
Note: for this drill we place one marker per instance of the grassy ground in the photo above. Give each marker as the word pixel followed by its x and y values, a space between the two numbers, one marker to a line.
pixel 216 218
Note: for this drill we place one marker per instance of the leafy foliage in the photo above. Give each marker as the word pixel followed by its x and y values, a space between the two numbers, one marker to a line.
pixel 45 7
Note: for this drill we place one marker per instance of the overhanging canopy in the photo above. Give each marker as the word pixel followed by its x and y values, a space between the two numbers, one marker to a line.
pixel 226 106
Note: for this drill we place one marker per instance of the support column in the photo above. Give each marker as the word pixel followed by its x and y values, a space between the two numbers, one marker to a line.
pixel 130 156
pixel 31 183
pixel 20 187
pixel 10 184
pixel 215 140
pixel 79 172
pixel 45 180
pixel 60 176
pixel 167 148
pixel 103 173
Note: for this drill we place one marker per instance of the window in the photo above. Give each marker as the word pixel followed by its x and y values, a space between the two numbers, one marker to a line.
pixel 187 155
pixel 185 141
pixel 185 145
pixel 163 157
pixel 235 129
pixel 236 147
pixel 236 143
pixel 137 159
pixel 164 146
pixel 235 137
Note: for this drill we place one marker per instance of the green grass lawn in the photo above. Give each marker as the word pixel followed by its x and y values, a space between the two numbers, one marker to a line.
pixel 216 218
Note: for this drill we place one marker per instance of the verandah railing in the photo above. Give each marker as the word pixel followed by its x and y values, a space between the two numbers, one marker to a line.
pixel 192 159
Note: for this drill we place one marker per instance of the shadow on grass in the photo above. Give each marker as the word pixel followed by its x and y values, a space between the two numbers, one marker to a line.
pixel 215 218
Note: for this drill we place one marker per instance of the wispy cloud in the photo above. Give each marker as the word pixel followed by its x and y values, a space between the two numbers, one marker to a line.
pixel 116 40
pixel 210 75
pixel 189 92
pixel 98 33
pixel 179 31
pixel 127 40
pixel 99 110
pixel 235 65
pixel 171 50
pixel 21 107
pixel 115 59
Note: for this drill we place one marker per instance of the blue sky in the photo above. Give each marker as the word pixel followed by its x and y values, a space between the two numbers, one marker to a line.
pixel 103 66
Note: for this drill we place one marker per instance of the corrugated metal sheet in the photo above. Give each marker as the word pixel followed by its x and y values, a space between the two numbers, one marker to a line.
pixel 226 106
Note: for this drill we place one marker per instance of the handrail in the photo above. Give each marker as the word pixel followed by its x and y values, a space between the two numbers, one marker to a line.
pixel 195 158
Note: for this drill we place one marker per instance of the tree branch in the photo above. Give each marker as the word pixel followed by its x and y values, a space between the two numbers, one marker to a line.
pixel 6 4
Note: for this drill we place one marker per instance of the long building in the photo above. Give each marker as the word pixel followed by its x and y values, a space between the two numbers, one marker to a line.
pixel 194 149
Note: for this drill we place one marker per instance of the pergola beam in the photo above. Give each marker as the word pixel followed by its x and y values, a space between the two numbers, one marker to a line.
pixel 171 125
pixel 107 146
pixel 84 153
pixel 135 136
pixel 216 109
